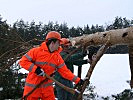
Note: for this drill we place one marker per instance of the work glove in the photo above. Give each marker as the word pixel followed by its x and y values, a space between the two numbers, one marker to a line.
pixel 85 52
pixel 81 82
pixel 39 72
pixel 92 51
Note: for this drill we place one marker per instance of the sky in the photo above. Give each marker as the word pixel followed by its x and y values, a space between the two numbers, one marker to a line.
pixel 73 12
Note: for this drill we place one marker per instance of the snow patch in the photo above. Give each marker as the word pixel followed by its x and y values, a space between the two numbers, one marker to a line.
pixel 110 75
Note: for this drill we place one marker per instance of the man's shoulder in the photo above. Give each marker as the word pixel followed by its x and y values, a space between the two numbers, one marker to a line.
pixel 63 53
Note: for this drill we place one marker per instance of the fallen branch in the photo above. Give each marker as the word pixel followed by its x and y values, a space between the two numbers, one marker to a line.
pixel 92 66
pixel 37 86
pixel 71 90
pixel 130 51
pixel 15 48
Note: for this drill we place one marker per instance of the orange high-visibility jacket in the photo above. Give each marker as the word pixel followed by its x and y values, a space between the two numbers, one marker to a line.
pixel 49 62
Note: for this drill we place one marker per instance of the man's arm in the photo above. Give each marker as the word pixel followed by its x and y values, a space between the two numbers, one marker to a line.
pixel 27 61
pixel 81 62
pixel 64 71
pixel 76 57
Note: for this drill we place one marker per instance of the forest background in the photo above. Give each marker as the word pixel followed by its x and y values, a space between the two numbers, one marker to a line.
pixel 17 39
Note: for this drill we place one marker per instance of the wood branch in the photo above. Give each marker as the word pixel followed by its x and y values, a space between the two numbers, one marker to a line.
pixel 71 90
pixel 117 37
pixel 15 58
pixel 130 50
pixel 37 86
pixel 20 46
pixel 92 66
pixel 11 40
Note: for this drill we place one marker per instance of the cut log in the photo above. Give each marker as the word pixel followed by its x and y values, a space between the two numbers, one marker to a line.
pixel 117 37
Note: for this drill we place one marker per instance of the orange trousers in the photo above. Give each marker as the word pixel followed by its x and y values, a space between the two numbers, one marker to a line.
pixel 50 97
pixel 41 98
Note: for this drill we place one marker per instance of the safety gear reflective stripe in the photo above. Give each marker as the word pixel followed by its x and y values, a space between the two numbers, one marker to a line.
pixel 40 63
pixel 61 65
pixel 31 67
pixel 42 86
pixel 28 57
pixel 30 85
pixel 74 79
pixel 53 65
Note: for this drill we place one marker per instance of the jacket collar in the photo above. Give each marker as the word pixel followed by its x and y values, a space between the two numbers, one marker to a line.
pixel 44 47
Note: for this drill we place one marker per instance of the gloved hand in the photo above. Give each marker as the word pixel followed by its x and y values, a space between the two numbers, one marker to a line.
pixel 89 61
pixel 85 52
pixel 81 82
pixel 39 72
pixel 92 51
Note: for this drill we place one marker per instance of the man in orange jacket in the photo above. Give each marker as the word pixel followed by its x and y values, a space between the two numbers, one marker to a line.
pixel 41 60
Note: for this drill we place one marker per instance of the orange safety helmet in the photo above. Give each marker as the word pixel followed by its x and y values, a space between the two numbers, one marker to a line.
pixel 65 41
pixel 53 34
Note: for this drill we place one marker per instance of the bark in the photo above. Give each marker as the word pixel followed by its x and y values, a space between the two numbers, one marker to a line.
pixel 98 55
pixel 130 48
pixel 117 37
pixel 71 90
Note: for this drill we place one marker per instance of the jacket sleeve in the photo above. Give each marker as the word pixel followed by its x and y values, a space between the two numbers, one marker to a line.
pixel 80 62
pixel 27 61
pixel 75 57
pixel 65 72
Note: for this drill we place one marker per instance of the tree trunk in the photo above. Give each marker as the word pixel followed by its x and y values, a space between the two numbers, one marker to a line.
pixel 117 37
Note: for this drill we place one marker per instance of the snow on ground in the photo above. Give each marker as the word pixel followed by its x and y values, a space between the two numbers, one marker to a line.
pixel 110 74
pixel 23 71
